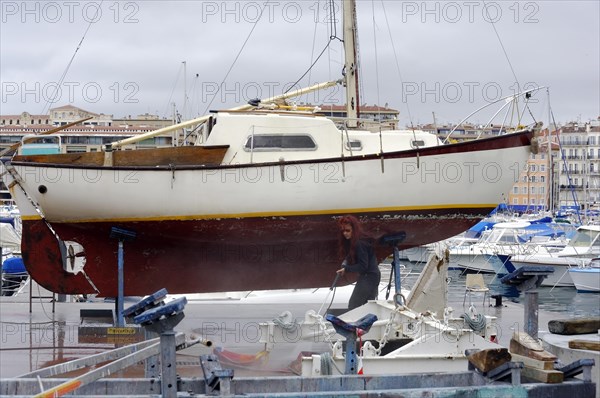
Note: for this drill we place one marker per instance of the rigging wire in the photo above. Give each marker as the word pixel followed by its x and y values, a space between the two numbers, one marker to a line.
pixel 237 56
pixel 376 65
pixel 62 78
pixel 569 180
pixel 312 52
pixel 172 91
pixel 410 118
pixel 332 36
pixel 512 69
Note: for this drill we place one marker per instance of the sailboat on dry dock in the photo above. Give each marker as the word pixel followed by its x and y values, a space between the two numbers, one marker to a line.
pixel 254 205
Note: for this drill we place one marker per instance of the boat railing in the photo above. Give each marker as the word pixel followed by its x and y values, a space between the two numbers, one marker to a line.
pixel 508 100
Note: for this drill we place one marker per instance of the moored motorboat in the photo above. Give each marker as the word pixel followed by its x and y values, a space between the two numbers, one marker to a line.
pixel 587 278
pixel 584 246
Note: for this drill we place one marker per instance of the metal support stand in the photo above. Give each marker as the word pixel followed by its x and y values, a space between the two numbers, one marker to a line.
pixel 351 331
pixel 122 235
pixel 162 319
pixel 216 378
pixel 149 302
pixel 527 279
pixel 580 366
pixel 394 241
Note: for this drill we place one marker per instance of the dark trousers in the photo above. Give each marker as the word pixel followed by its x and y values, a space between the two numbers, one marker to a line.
pixel 366 289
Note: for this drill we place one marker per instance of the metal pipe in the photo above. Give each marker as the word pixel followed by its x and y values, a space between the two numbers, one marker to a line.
pixel 120 294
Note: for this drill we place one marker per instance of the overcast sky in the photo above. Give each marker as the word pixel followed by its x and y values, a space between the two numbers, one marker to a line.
pixel 417 57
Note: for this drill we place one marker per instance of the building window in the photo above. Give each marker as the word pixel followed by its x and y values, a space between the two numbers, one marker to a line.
pixel 533 190
pixel 524 201
pixel 516 190
pixel 542 167
pixel 533 178
pixel 532 201
pixel 542 179
pixel 542 190
pixel 524 178
pixel 533 167
pixel 524 191
pixel 515 201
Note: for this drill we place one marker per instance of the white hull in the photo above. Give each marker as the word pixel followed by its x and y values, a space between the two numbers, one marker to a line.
pixel 586 279
pixel 88 195
pixel 561 265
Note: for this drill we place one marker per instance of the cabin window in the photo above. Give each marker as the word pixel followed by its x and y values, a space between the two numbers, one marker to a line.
pixel 417 143
pixel 354 145
pixel 279 142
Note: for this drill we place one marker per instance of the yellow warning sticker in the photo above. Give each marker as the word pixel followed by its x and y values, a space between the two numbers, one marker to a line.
pixel 121 331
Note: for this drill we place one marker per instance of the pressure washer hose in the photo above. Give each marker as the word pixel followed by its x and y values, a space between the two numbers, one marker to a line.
pixel 335 281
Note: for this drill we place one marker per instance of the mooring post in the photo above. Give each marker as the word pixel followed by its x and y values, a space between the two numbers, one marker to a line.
pixel 531 313
pixel 527 279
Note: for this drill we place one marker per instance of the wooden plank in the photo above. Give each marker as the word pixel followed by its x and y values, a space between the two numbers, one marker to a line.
pixel 525 345
pixel 80 159
pixel 574 326
pixel 176 156
pixel 486 360
pixel 544 376
pixel 533 363
pixel 585 345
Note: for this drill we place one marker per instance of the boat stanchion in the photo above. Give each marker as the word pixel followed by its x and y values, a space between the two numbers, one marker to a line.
pixel 527 279
pixel 162 319
pixel 122 235
pixel 351 331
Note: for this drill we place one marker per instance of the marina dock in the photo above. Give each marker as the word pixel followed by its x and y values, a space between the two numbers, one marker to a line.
pixel 44 338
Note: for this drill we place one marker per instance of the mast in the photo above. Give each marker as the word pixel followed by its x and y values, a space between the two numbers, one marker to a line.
pixel 351 64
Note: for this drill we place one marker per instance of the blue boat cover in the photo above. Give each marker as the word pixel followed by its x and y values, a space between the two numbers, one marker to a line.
pixel 13 265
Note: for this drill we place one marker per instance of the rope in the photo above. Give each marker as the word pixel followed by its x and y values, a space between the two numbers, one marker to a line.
pixel 285 321
pixel 478 323
pixel 328 364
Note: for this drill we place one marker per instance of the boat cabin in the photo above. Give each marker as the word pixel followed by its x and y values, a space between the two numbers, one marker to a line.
pixel 272 137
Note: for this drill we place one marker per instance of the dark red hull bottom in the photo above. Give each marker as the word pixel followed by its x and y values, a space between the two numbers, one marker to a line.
pixel 221 255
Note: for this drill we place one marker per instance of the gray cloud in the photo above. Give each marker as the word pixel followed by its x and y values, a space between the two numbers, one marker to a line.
pixel 451 60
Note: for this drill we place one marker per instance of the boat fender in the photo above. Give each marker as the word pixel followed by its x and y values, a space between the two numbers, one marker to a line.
pixel 535 145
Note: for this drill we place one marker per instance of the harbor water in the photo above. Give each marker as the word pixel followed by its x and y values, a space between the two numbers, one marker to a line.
pixel 561 300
